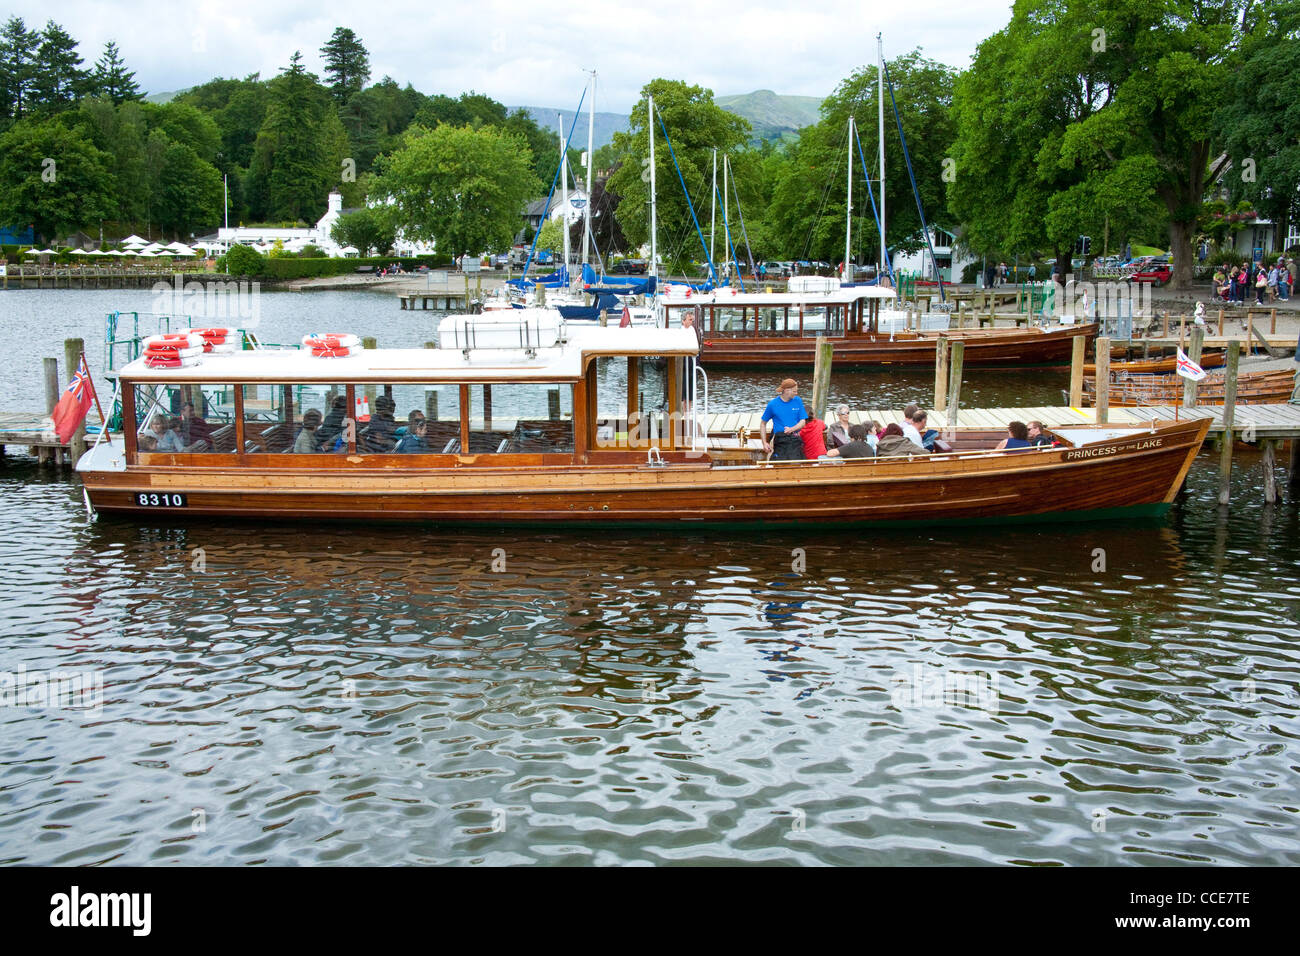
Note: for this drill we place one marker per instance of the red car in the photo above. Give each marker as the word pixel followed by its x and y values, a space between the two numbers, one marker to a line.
pixel 1158 275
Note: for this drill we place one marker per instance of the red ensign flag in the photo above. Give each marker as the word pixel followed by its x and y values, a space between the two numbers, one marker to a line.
pixel 72 407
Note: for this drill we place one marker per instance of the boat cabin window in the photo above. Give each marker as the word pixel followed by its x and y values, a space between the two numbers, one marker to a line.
pixel 185 419
pixel 518 418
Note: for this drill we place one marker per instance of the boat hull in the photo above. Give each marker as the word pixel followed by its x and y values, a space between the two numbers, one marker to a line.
pixel 1136 475
pixel 991 348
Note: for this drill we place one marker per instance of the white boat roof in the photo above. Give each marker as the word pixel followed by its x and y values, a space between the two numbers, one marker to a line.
pixel 724 297
pixel 561 363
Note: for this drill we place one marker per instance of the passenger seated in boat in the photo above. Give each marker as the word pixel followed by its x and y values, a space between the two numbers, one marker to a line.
pixel 415 416
pixel 328 432
pixel 380 436
pixel 910 431
pixel 147 442
pixel 307 442
pixel 856 447
pixel 926 435
pixel 194 428
pixel 412 442
pixel 1017 437
pixel 164 430
pixel 894 444
pixel 873 435
pixel 813 435
pixel 837 434
pixel 1037 436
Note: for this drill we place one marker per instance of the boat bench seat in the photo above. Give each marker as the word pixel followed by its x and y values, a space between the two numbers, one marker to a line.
pixel 542 435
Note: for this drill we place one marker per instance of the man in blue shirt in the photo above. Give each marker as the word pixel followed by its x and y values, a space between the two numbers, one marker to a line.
pixel 787 417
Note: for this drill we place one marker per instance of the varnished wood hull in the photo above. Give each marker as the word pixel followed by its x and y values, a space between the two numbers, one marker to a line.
pixel 985 348
pixel 1168 363
pixel 1137 474
pixel 1253 388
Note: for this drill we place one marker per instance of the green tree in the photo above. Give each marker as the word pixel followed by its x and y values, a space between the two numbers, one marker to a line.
pixel 120 132
pixel 58 77
pixel 18 52
pixel 242 261
pixel 189 191
pixel 111 78
pixel 347 64
pixel 1261 118
pixel 298 151
pixel 52 177
pixel 697 125
pixel 366 229
pixel 551 236
pixel 808 179
pixel 461 187
pixel 191 126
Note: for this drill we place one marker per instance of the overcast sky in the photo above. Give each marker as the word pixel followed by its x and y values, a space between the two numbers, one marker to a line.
pixel 527 53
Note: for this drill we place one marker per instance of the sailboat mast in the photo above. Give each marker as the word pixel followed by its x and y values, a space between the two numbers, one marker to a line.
pixel 564 194
pixel 880 96
pixel 713 204
pixel 847 275
pixel 654 249
pixel 587 238
pixel 726 223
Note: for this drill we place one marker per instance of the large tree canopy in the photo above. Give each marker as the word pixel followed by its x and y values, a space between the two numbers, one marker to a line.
pixel 461 187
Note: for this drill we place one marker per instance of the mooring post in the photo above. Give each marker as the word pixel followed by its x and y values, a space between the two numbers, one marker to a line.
pixel 1270 479
pixel 1229 409
pixel 1294 471
pixel 72 349
pixel 954 381
pixel 1194 353
pixel 50 373
pixel 1272 321
pixel 941 372
pixel 1220 322
pixel 1077 355
pixel 1101 399
pixel 553 404
pixel 824 351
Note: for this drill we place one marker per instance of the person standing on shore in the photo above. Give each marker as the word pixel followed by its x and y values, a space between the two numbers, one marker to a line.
pixel 787 415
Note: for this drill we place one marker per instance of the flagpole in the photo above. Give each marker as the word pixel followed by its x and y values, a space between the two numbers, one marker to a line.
pixel 103 421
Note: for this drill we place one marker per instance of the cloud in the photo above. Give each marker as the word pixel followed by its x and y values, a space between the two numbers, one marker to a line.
pixel 526 52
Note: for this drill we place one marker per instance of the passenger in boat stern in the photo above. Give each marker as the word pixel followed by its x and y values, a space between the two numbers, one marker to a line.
pixel 837 435
pixel 910 431
pixel 194 428
pixel 894 444
pixel 307 443
pixel 857 446
pixel 168 438
pixel 787 416
pixel 1037 436
pixel 813 436
pixel 1017 437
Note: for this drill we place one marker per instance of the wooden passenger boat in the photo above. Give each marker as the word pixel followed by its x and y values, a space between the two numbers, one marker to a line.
pixel 1253 388
pixel 1149 366
pixel 779 329
pixel 555 458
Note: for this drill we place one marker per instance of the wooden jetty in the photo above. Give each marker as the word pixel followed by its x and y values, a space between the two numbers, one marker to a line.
pixel 442 301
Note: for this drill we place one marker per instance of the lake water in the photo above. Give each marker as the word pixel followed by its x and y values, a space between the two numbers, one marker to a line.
pixel 1083 695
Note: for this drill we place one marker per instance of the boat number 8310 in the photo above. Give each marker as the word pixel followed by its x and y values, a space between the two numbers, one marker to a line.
pixel 155 500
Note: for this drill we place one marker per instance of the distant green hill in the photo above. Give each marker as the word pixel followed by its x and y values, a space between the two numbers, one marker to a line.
pixel 161 98
pixel 773 116
pixel 607 124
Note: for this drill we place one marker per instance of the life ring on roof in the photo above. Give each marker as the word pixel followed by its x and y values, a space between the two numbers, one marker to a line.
pixel 328 351
pixel 174 340
pixel 167 350
pixel 330 340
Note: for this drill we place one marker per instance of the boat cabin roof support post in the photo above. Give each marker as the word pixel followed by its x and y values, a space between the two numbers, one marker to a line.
pixel 674 403
pixel 239 419
pixel 464 419
pixel 633 396
pixel 581 421
pixel 351 393
pixel 128 421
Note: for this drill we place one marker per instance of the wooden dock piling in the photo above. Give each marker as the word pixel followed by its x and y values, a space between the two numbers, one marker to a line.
pixel 954 380
pixel 1229 413
pixel 825 352
pixel 72 351
pixel 941 371
pixel 50 372
pixel 1102 397
pixel 1077 355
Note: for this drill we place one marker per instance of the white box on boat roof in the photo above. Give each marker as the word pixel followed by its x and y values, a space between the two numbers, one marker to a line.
pixel 507 329
pixel 814 284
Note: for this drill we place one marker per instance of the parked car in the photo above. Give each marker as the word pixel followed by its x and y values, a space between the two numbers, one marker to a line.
pixel 1156 274
pixel 776 270
pixel 633 267
pixel 501 261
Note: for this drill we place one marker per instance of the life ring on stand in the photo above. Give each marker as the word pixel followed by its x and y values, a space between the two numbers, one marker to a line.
pixel 327 351
pixel 173 340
